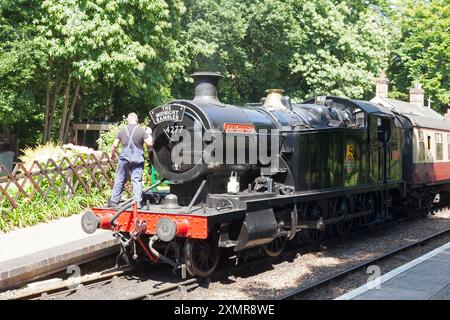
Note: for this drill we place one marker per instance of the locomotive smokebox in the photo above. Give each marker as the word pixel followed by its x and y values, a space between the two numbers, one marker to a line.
pixel 206 85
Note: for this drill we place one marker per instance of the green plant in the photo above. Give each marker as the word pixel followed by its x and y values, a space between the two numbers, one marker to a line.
pixel 107 138
pixel 40 209
pixel 32 207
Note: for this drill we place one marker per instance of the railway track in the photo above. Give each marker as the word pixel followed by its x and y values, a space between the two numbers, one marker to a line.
pixel 164 290
pixel 160 291
pixel 64 288
pixel 304 290
pixel 63 291
pixel 183 287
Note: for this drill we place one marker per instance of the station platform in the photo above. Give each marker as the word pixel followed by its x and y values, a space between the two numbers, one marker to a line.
pixel 425 278
pixel 33 252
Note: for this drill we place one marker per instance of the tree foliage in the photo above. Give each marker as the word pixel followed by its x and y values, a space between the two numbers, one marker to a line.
pixel 305 47
pixel 20 102
pixel 67 60
pixel 423 52
pixel 124 44
pixel 104 52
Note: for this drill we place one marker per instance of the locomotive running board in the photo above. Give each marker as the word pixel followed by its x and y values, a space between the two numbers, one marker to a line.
pixel 321 223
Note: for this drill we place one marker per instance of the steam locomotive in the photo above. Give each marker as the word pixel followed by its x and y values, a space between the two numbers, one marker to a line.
pixel 293 172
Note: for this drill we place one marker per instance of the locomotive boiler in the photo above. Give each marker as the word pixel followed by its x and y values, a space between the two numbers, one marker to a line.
pixel 251 178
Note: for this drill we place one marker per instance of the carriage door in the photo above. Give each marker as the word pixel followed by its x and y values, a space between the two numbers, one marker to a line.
pixel 384 137
pixel 373 149
pixel 380 135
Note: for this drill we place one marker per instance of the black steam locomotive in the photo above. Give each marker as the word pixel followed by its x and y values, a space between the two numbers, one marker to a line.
pixel 276 172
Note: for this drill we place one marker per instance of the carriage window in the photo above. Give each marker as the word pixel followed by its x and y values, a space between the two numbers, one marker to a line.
pixel 448 146
pixel 421 146
pixel 439 147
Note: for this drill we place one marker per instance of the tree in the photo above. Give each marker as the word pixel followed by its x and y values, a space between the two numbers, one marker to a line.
pixel 115 42
pixel 92 58
pixel 305 47
pixel 19 65
pixel 422 53
pixel 99 59
pixel 212 39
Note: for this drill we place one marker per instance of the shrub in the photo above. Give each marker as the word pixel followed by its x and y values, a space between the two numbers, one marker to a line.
pixel 107 138
pixel 33 207
pixel 30 212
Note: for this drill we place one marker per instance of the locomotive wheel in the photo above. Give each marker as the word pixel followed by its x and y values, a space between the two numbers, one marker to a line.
pixel 201 257
pixel 311 236
pixel 369 204
pixel 274 248
pixel 341 208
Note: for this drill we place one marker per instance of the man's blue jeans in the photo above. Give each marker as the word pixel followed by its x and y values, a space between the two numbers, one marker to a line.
pixel 123 170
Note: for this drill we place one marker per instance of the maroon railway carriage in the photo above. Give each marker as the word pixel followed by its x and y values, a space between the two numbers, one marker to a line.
pixel 426 164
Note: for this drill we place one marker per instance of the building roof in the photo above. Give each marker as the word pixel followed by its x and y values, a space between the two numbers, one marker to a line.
pixel 419 116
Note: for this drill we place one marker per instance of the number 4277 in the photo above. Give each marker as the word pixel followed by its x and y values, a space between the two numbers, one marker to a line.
pixel 173 129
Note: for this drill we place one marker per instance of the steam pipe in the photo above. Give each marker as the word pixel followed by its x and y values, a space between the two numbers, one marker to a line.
pixel 119 212
pixel 196 195
pixel 129 203
pixel 158 255
pixel 150 256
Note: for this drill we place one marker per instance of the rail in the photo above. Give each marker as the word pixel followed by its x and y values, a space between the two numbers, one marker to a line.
pixel 303 290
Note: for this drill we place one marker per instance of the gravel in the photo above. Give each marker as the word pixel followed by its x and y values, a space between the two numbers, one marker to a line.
pixel 338 255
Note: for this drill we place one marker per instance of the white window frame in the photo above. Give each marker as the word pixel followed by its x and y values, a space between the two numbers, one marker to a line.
pixel 422 151
pixel 438 136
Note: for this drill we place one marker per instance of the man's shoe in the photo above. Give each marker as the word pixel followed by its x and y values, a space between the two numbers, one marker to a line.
pixel 112 204
pixel 139 206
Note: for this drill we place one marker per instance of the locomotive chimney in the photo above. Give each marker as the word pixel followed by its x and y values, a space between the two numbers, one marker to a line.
pixel 417 95
pixel 206 85
pixel 274 99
